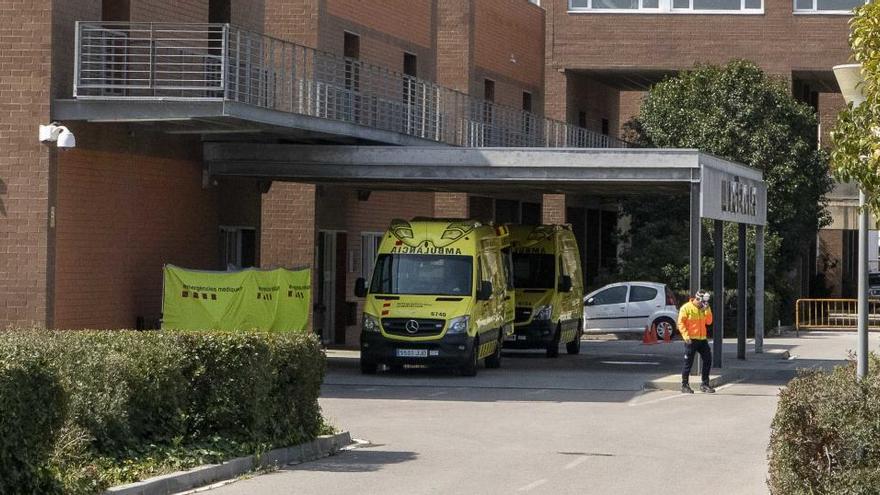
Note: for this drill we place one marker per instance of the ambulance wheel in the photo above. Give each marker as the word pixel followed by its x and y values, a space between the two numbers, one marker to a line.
pixel 553 347
pixel 494 361
pixel 574 347
pixel 368 368
pixel 469 368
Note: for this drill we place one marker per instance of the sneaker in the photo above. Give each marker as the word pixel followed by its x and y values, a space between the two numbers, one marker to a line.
pixel 686 389
pixel 706 389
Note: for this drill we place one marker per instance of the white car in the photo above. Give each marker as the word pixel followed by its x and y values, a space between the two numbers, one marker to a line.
pixel 630 307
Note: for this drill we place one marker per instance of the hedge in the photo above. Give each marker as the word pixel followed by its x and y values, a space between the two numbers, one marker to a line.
pixel 826 434
pixel 83 410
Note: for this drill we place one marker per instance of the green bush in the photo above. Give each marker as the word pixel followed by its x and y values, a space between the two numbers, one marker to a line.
pixel 826 434
pixel 171 399
pixel 32 407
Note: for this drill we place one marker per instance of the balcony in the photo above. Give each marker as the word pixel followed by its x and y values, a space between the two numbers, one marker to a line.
pixel 201 66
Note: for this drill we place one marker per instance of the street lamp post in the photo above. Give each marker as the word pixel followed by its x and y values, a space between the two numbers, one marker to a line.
pixel 849 78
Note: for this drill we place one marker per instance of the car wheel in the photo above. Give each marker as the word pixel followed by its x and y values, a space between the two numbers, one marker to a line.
pixel 574 347
pixel 553 347
pixel 368 368
pixel 494 361
pixel 663 325
pixel 469 368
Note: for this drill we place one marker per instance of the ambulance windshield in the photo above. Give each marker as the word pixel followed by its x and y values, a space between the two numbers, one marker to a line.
pixel 534 271
pixel 422 274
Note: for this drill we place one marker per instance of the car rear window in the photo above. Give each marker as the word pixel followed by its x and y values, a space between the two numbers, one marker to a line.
pixel 639 293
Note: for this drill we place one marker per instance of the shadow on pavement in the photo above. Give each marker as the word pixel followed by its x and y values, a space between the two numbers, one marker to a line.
pixel 359 460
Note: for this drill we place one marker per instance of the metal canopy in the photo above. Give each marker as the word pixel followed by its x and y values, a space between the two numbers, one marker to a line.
pixel 599 171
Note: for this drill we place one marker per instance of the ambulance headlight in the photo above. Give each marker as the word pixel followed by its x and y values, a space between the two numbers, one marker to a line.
pixel 371 324
pixel 458 325
pixel 543 312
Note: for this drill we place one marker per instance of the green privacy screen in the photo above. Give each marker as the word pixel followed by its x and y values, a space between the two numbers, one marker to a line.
pixel 268 300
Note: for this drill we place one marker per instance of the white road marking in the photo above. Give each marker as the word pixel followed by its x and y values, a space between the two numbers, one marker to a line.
pixel 536 392
pixel 368 389
pixel 531 486
pixel 575 463
pixel 654 401
pixel 438 394
pixel 636 363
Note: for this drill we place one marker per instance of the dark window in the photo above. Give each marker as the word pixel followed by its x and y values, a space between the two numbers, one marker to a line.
pixel 506 211
pixel 115 10
pixel 219 11
pixel 351 46
pixel 527 101
pixel 605 127
pixel 534 271
pixel 609 239
pixel 489 90
pixel 614 295
pixel 530 214
pixel 422 274
pixel 410 65
pixel 582 119
pixel 248 248
pixel 640 293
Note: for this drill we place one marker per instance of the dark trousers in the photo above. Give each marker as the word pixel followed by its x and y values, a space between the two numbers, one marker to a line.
pixel 701 346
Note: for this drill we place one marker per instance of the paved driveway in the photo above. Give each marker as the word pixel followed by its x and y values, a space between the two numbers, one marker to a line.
pixel 577 424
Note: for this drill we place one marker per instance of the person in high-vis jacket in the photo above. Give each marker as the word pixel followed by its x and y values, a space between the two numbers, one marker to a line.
pixel 692 320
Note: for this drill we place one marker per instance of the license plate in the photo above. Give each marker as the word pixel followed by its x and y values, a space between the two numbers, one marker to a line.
pixel 521 337
pixel 412 353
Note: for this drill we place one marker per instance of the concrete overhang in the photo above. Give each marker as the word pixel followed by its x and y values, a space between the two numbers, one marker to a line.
pixel 599 171
pixel 218 116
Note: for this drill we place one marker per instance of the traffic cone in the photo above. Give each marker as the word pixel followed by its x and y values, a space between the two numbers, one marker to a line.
pixel 650 336
pixel 667 336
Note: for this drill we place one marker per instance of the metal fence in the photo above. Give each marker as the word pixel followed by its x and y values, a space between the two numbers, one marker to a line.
pixel 223 62
pixel 833 314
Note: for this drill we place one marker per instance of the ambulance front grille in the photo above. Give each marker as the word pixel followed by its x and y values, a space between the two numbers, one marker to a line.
pixel 426 327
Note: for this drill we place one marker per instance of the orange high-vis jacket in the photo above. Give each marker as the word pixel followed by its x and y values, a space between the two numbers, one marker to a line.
pixel 692 321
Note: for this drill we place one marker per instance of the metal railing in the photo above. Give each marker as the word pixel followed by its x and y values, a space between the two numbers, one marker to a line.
pixel 223 62
pixel 833 314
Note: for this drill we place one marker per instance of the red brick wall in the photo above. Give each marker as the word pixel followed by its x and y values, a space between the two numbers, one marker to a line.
pixel 553 209
pixel 777 40
pixel 455 44
pixel 598 101
pixel 125 207
pixel 177 11
pixel 830 104
pixel 292 20
pixel 25 37
pixel 505 28
pixel 451 205
pixel 407 20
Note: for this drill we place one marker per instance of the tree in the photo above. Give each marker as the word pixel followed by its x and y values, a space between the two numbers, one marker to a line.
pixel 855 154
pixel 738 113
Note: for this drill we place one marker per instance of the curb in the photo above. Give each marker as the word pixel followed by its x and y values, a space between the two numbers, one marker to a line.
pixel 181 481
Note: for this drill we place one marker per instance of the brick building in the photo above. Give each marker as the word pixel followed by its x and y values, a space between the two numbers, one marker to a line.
pixel 84 232
pixel 601 56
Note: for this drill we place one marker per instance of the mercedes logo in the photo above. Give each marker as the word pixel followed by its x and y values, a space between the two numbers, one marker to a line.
pixel 412 326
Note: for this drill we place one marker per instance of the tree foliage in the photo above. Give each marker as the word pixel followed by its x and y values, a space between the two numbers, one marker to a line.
pixel 738 113
pixel 856 136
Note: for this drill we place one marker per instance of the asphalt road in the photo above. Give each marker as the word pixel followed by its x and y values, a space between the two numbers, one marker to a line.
pixel 576 424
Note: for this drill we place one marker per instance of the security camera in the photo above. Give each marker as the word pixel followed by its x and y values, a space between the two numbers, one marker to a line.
pixel 55 132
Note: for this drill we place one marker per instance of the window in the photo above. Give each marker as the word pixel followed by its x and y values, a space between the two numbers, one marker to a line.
pixel 582 119
pixel 826 6
pixel 369 248
pixel 605 127
pixel 527 101
pixel 489 90
pixel 614 295
pixel 640 293
pixel 410 64
pixel 238 247
pixel 671 6
pixel 534 271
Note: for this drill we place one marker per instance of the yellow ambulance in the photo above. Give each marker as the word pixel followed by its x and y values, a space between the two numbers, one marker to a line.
pixel 438 296
pixel 549 289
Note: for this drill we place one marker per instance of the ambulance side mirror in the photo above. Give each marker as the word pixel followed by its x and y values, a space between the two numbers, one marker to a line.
pixel 360 287
pixel 565 284
pixel 485 292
